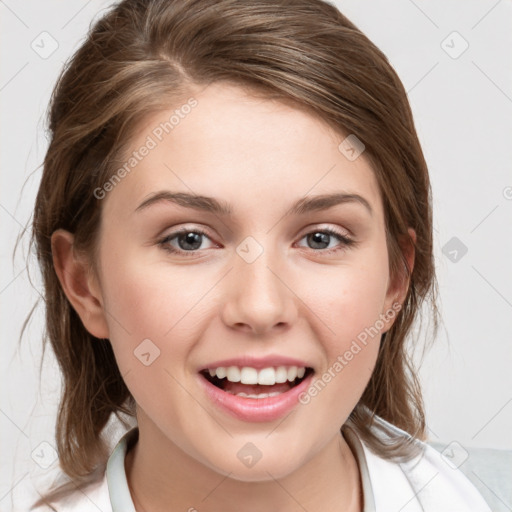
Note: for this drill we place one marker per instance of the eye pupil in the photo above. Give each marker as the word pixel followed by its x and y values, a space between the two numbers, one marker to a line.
pixel 193 239
pixel 319 238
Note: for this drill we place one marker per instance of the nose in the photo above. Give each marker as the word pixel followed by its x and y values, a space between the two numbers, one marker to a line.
pixel 259 298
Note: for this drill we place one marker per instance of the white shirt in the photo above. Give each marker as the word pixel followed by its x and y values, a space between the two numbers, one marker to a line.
pixel 425 484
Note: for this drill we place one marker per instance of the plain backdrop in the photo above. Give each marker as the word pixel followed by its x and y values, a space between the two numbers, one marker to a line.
pixel 454 60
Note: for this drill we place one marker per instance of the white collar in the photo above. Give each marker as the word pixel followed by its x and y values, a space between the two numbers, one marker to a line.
pixel 425 484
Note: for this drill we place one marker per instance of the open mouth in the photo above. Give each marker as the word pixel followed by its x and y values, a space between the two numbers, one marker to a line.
pixel 249 382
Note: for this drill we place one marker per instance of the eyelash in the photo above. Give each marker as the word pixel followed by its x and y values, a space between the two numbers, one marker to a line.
pixel 164 242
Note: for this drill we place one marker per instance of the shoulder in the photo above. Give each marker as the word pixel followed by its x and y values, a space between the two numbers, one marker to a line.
pixel 93 496
pixel 432 482
pixel 488 469
pixel 107 486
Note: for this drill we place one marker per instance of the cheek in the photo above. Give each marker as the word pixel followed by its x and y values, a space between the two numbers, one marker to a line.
pixel 348 299
pixel 349 304
pixel 150 317
pixel 145 293
pixel 144 302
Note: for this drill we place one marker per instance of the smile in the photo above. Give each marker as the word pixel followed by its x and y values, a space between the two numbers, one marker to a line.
pixel 252 383
pixel 256 394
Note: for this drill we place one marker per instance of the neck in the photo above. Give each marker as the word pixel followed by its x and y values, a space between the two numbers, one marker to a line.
pixel 330 481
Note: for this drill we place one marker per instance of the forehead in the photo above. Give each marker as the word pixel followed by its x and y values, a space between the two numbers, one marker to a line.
pixel 245 149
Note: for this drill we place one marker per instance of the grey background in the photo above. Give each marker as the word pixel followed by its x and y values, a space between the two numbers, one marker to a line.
pixel 462 103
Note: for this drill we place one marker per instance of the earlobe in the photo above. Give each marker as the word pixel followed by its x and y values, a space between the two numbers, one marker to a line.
pixel 79 284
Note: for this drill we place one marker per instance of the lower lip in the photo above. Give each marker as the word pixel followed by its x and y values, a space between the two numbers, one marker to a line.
pixel 255 409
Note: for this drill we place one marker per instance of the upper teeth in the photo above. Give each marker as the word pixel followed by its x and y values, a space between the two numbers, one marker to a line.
pixel 266 376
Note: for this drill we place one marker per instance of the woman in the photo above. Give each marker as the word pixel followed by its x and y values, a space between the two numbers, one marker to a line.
pixel 234 227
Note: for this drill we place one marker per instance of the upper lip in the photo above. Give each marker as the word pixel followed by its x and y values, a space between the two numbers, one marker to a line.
pixel 257 362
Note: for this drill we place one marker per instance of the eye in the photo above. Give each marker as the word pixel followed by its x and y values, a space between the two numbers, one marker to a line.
pixel 320 240
pixel 189 241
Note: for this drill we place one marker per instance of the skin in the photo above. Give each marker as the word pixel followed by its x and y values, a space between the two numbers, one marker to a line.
pixel 295 299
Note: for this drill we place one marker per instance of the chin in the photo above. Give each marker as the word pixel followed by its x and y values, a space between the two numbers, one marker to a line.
pixel 261 471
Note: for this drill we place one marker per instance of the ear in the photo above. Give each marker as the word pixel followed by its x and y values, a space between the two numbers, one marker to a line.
pixel 79 283
pixel 399 285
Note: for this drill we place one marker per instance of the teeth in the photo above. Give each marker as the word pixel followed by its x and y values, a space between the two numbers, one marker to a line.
pixel 261 395
pixel 249 375
pixel 233 374
pixel 221 372
pixel 266 376
pixel 292 373
pixel 281 375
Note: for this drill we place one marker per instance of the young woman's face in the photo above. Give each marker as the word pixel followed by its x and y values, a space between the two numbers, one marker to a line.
pixel 264 286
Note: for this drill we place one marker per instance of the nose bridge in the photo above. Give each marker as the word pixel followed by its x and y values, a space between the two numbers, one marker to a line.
pixel 258 298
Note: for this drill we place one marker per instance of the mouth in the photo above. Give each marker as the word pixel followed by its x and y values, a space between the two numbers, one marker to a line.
pixel 256 384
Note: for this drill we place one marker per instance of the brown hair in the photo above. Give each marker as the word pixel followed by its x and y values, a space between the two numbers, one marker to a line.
pixel 144 55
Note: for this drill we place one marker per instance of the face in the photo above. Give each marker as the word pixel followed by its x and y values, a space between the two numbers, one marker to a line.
pixel 187 289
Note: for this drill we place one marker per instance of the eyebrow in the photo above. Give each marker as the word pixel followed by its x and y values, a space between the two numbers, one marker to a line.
pixel 304 205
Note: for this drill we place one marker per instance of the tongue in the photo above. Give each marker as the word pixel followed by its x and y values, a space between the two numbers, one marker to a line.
pixel 256 389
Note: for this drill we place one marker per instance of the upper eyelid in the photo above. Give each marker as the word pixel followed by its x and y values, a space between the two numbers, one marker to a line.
pixel 324 226
pixel 335 231
pixel 318 226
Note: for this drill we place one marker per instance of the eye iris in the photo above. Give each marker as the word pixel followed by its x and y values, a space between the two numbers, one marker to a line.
pixel 190 238
pixel 319 238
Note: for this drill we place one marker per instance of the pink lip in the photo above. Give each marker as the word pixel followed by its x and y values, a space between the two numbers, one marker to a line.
pixel 255 409
pixel 257 362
